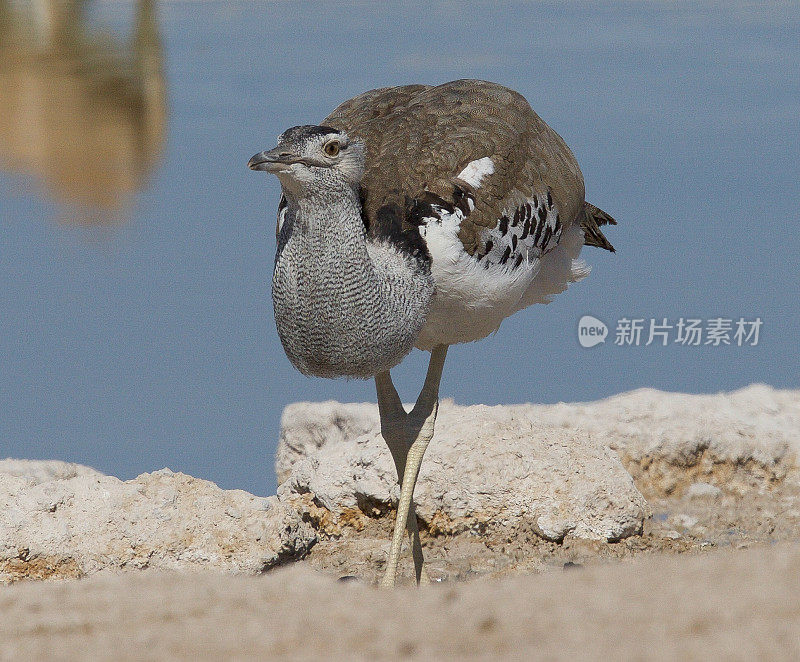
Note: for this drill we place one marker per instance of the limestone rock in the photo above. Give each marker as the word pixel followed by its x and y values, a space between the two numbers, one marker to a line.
pixel 548 464
pixel 702 490
pixel 757 423
pixel 305 428
pixel 735 441
pixel 39 471
pixel 60 520
pixel 486 466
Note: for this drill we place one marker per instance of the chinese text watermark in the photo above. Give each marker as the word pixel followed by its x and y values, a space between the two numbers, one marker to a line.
pixel 687 331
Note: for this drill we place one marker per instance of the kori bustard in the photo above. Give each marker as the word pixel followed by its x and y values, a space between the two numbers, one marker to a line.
pixel 419 216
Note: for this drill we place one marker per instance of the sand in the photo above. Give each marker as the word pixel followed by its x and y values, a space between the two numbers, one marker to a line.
pixel 725 604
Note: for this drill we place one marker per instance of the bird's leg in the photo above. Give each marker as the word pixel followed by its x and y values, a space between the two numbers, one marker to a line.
pixel 394 430
pixel 421 421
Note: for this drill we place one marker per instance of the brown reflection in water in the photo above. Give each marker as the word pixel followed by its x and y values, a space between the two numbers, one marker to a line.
pixel 80 109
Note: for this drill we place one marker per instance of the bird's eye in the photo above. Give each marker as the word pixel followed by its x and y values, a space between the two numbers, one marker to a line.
pixel 332 148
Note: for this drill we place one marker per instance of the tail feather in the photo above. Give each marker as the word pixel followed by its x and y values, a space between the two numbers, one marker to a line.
pixel 592 219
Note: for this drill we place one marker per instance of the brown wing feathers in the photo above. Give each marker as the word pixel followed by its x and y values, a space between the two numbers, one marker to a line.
pixel 419 138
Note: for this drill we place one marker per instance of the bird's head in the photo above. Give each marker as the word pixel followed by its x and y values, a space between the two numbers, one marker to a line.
pixel 313 157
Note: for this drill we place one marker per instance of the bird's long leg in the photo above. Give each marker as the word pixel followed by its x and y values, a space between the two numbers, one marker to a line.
pixel 421 421
pixel 394 430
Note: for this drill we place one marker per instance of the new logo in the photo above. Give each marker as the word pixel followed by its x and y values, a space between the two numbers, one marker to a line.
pixel 591 331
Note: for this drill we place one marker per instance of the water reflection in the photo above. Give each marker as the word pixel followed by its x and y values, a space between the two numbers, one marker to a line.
pixel 80 109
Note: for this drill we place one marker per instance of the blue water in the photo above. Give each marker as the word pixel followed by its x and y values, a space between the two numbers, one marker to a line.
pixel 149 341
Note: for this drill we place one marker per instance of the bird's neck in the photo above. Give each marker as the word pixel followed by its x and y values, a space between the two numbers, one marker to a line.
pixel 344 305
pixel 338 211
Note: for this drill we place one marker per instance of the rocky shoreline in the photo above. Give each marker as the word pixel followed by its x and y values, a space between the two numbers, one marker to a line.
pixel 605 530
pixel 503 490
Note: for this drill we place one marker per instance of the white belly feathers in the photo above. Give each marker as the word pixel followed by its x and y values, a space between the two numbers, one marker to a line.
pixel 474 293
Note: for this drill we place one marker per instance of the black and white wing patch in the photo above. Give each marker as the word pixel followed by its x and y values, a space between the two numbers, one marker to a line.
pixel 526 233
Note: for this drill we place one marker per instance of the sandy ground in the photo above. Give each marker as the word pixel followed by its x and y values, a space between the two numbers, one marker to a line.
pixel 721 605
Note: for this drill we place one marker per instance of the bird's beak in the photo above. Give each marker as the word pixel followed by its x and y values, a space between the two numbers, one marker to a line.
pixel 272 160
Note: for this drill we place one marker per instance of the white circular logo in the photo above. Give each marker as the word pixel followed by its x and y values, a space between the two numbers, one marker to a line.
pixel 591 331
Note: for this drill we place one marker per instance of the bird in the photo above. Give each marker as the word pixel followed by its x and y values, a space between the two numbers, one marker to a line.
pixel 419 216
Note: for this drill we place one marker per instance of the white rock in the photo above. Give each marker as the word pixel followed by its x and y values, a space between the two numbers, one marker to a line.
pixel 311 425
pixel 484 465
pixel 547 463
pixel 702 490
pixel 757 424
pixel 684 521
pixel 39 471
pixel 60 520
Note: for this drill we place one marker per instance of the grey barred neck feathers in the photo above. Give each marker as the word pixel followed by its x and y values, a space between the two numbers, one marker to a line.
pixel 345 304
